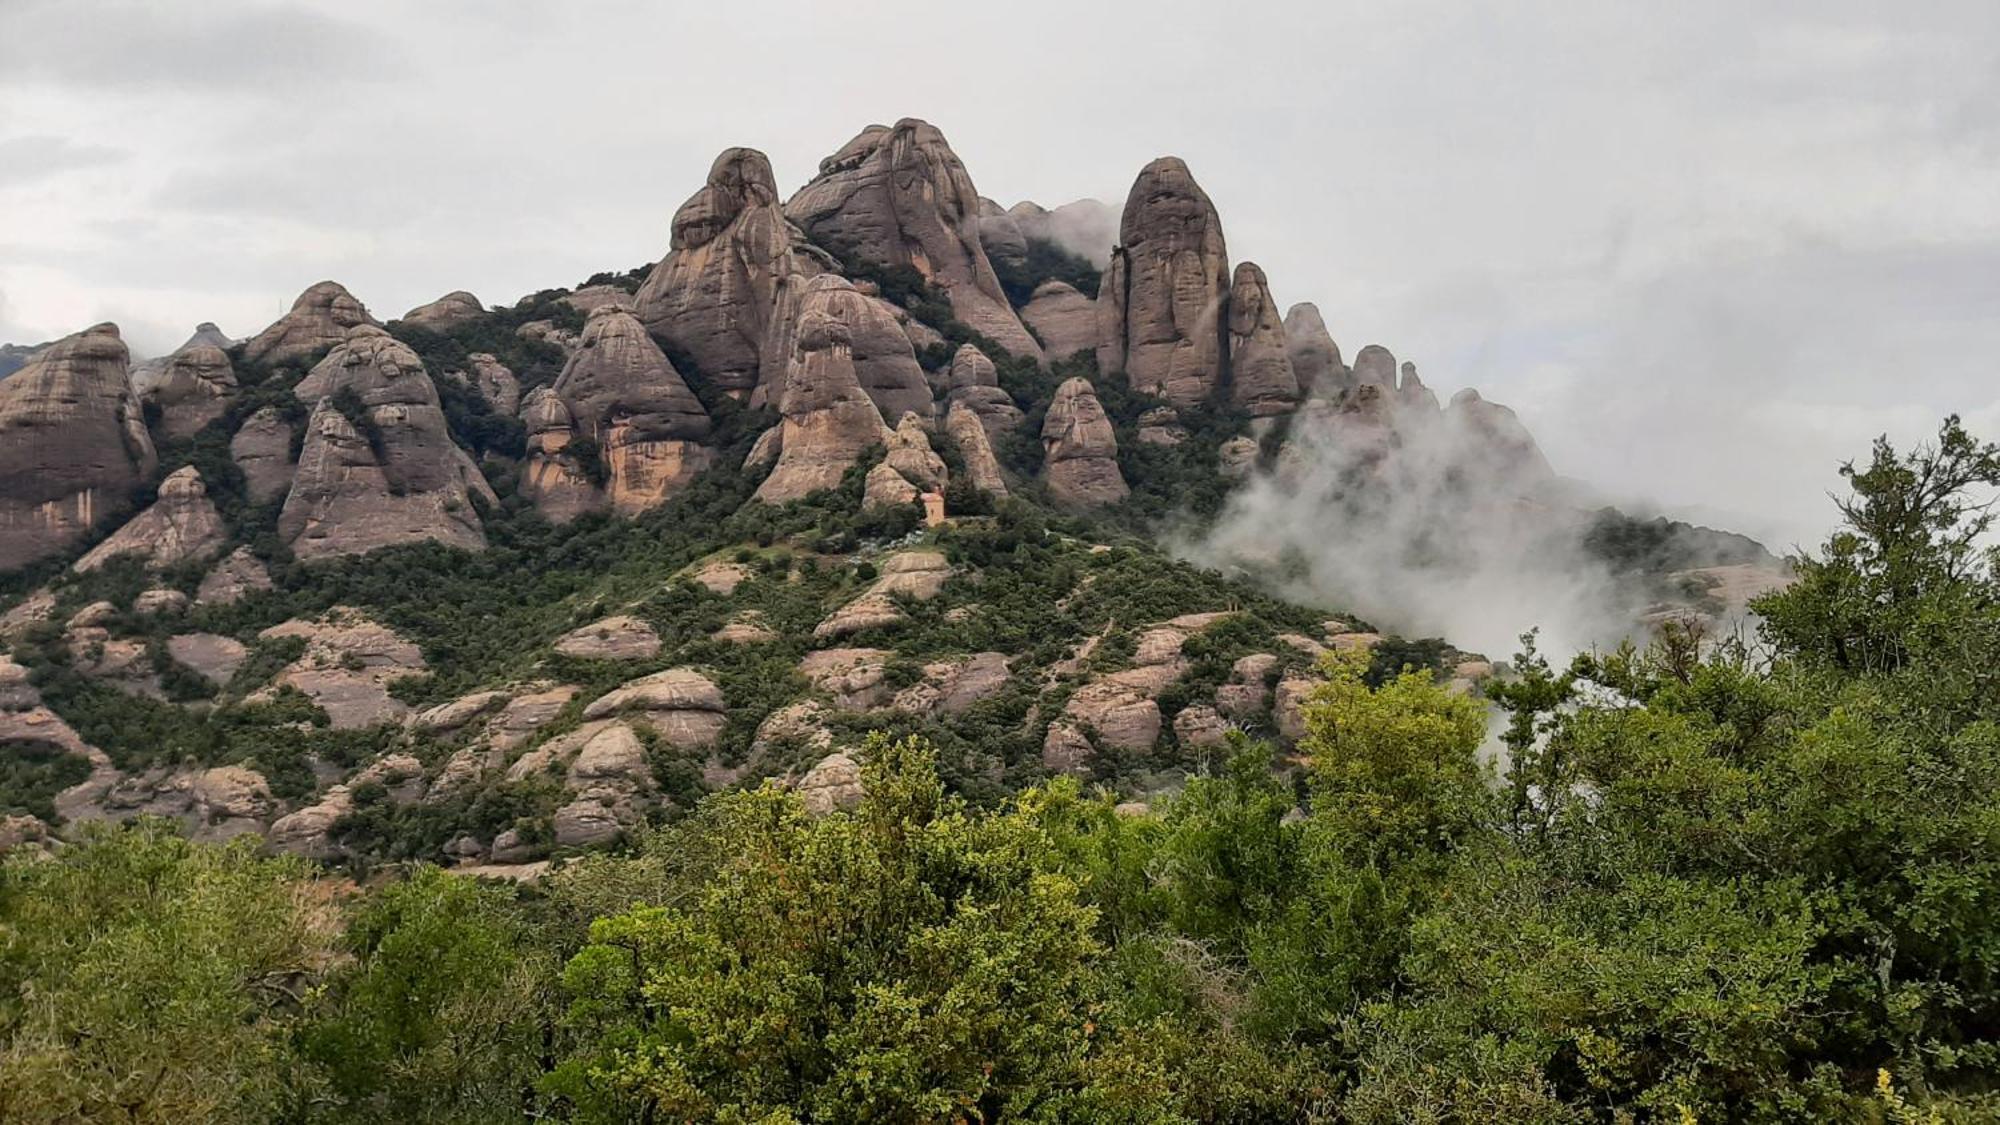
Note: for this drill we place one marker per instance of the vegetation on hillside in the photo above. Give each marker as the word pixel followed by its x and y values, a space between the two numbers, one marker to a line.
pixel 1706 883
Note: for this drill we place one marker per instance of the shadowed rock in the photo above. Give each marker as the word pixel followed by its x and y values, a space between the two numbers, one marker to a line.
pixel 1064 318
pixel 1160 307
pixel 262 450
pixel 623 394
pixel 181 525
pixel 191 387
pixel 401 480
pixel 73 444
pixel 1261 380
pixel 1080 450
pixel 554 480
pixel 826 417
pixel 732 277
pixel 968 433
pixel 1315 357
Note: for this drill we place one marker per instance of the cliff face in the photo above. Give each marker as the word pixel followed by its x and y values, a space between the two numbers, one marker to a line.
pixel 73 445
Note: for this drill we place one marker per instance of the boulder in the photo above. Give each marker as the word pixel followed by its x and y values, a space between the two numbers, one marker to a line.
pixel 1200 726
pixel 799 724
pixel 1160 306
pixel 614 638
pixel 1161 426
pixel 852 676
pixel 909 468
pixel 73 445
pixel 884 487
pixel 1315 357
pixel 527 713
pixel 722 578
pixel 1080 450
pixel 1288 707
pixel 623 394
pixel 1064 318
pixel 555 480
pixel 401 481
pixel 900 197
pixel 214 657
pixel 826 419
pixel 684 706
pixel 159 600
pixel 952 687
pixel 318 320
pixel 262 450
pixel 1065 749
pixel 233 578
pixel 1261 380
pixel 833 783
pixel 447 312
pixel 193 386
pixel 1118 713
pixel 347 667
pixel 869 611
pixel 730 282
pixel 590 298
pixel 1237 456
pixel 747 628
pixel 975 449
pixel 181 525
pixel 446 718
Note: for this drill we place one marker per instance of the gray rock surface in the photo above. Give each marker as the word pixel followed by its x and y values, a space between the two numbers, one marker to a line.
pixel 319 319
pixel 1161 304
pixel 182 524
pixel 1261 380
pixel 1080 450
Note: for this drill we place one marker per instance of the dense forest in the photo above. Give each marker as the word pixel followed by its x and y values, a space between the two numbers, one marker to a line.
pixel 1736 880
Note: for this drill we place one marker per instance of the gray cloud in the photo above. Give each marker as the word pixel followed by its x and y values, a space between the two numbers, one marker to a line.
pixel 28 159
pixel 1704 250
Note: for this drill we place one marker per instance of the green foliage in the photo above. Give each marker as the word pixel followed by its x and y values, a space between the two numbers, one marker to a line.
pixel 1045 261
pixel 32 773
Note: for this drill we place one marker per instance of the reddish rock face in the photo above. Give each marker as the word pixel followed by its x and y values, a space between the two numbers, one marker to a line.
pixel 622 393
pixel 73 444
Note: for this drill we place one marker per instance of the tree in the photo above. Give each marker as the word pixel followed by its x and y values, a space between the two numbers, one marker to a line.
pixel 144 978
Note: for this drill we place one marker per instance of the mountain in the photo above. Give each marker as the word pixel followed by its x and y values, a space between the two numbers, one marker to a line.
pixel 491 584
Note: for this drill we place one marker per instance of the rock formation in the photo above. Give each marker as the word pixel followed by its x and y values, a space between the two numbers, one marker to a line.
pixel 1160 307
pixel 347 666
pixel 1491 439
pixel 1261 379
pixel 388 477
pixel 447 312
pixel 832 785
pixel 554 480
pixel 826 418
pixel 1315 357
pixel 1375 366
pixel 1000 236
pixel 182 524
pixel 1064 318
pixel 968 433
pixel 974 383
pixel 731 280
pixel 262 450
pixel 73 445
pixel 191 387
pixel 1080 450
pixel 1412 395
pixel 910 460
pixel 614 638
pixel 900 197
pixel 884 363
pixel 495 383
pixel 319 319
pixel 233 578
pixel 623 394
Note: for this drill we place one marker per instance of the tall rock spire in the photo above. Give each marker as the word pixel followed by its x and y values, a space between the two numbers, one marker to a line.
pixel 1261 379
pixel 1161 316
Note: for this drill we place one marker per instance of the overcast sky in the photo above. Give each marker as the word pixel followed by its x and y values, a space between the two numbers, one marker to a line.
pixel 1705 249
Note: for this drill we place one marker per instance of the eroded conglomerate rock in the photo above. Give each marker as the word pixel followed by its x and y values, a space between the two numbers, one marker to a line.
pixel 1080 450
pixel 614 638
pixel 952 687
pixel 389 476
pixel 975 448
pixel 262 450
pixel 909 468
pixel 1160 306
pixel 216 658
pixel 973 382
pixel 555 480
pixel 854 677
pixel 1064 318
pixel 1261 379
pixel 832 784
pixel 900 197
pixel 1161 426
pixel 73 445
pixel 826 419
pixel 682 705
pixel 732 279
pixel 347 667
pixel 191 387
pixel 181 525
pixel 1491 439
pixel 495 383
pixel 309 831
pixel 235 577
pixel 447 312
pixel 1375 366
pixel 1316 359
pixel 319 319
pixel 623 394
